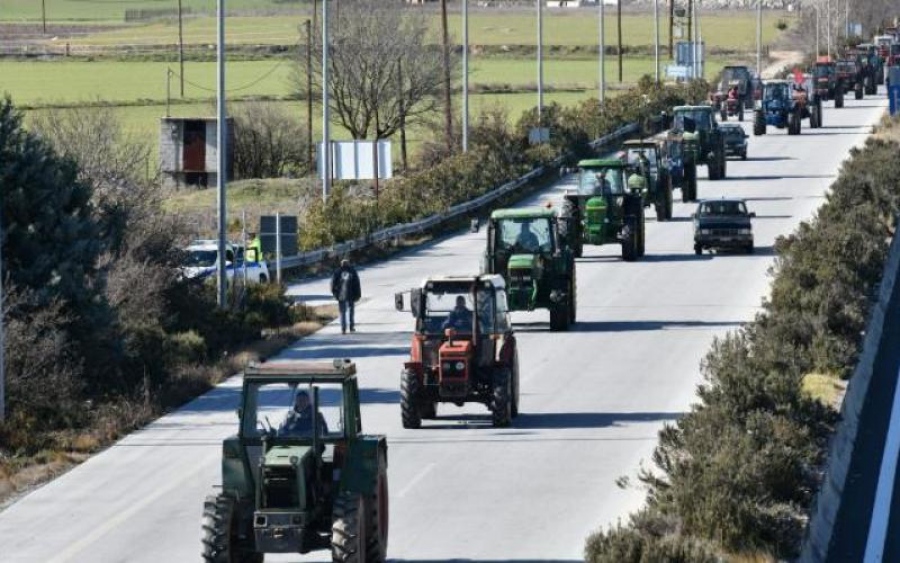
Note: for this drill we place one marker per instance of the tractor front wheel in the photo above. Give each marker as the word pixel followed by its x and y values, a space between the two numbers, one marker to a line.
pixel 515 385
pixel 839 97
pixel 501 400
pixel 741 113
pixel 220 533
pixel 858 91
pixel 570 227
pixel 629 245
pixel 348 529
pixel 642 231
pixel 410 391
pixel 559 316
pixel 689 185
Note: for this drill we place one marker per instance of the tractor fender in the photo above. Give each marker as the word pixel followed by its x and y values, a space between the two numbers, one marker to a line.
pixel 416 367
pixel 360 471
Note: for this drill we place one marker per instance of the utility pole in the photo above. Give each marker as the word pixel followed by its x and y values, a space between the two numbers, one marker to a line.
pixel 818 47
pixel 656 36
pixel 690 23
pixel 759 38
pixel 44 15
pixel 2 340
pixel 326 110
pixel 602 41
pixel 671 30
pixel 448 110
pixel 540 61
pixel 465 72
pixel 619 33
pixel 401 101
pixel 180 49
pixel 309 101
pixel 222 150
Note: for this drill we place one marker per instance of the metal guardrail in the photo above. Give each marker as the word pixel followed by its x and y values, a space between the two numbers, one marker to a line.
pixel 384 235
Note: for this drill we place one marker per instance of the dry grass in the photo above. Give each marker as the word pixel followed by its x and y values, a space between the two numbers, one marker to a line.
pixel 19 474
pixel 826 388
pixel 888 129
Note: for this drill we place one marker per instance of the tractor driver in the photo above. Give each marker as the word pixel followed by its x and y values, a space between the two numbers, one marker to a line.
pixel 527 240
pixel 602 183
pixel 636 181
pixel 299 421
pixel 460 318
pixel 733 93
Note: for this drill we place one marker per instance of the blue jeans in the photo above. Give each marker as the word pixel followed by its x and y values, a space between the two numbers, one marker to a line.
pixel 345 308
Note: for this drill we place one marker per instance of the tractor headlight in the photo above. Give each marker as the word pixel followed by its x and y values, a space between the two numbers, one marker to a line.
pixel 460 366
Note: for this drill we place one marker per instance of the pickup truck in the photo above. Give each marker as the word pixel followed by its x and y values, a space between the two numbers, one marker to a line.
pixel 202 262
pixel 723 223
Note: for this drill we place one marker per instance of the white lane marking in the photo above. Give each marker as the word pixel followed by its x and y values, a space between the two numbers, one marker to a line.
pixel 415 480
pixel 74 549
pixel 881 510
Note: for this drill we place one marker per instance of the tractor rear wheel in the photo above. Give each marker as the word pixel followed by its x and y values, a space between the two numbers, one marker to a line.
pixel 410 391
pixel 559 316
pixel 515 385
pixel 759 123
pixel 378 516
pixel 348 528
pixel 629 245
pixel 642 232
pixel 570 227
pixel 220 533
pixel 668 196
pixel 698 250
pixel 501 400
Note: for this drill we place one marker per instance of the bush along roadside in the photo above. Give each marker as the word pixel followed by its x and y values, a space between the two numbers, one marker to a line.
pixel 497 154
pixel 738 473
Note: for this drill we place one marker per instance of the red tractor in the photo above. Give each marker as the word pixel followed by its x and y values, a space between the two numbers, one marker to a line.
pixel 463 349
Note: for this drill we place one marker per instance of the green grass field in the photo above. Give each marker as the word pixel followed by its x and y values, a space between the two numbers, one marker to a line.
pixel 732 30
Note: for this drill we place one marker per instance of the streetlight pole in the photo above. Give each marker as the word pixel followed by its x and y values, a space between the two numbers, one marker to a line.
pixel 326 111
pixel 180 49
pixel 828 25
pixel 465 71
pixel 221 148
pixel 540 61
pixel 818 46
pixel 602 40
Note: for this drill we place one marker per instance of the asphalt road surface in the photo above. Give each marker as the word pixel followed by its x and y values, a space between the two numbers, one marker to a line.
pixel 592 400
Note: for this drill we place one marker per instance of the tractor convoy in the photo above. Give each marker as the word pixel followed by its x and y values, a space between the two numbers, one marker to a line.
pixel 299 475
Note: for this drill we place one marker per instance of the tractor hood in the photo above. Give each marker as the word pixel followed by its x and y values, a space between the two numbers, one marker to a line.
pixel 286 456
pixel 522 262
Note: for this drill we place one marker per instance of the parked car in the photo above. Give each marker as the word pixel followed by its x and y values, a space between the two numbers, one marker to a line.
pixel 723 223
pixel 735 140
pixel 202 262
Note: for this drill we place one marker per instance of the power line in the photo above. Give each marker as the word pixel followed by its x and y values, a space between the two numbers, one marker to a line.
pixel 239 88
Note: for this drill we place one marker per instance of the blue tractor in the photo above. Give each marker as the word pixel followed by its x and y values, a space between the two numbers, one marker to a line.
pixel 785 105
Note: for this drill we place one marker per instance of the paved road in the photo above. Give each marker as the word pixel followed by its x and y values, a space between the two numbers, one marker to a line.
pixel 593 399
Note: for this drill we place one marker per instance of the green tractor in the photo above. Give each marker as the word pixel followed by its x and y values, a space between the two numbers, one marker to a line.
pixel 299 475
pixel 525 247
pixel 604 210
pixel 703 142
pixel 645 157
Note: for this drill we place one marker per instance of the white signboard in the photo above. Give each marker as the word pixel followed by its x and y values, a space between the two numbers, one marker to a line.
pixel 356 160
pixel 537 135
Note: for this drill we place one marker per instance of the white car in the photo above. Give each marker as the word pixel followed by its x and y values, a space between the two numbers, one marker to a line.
pixel 202 262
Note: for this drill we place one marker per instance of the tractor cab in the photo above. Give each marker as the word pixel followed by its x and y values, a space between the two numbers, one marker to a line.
pixel 703 141
pixel 463 348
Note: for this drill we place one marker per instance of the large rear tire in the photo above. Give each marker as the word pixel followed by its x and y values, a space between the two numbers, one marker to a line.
pixel 501 400
pixel 348 529
pixel 515 384
pixel 570 228
pixel 629 245
pixel 220 533
pixel 410 391
pixel 642 233
pixel 379 516
pixel 759 123
pixel 559 317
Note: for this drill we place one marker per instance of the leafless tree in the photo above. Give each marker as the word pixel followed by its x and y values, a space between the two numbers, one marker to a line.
pixel 385 70
pixel 268 142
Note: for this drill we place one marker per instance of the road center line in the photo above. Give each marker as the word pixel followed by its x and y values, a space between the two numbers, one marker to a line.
pixel 415 480
pixel 881 509
pixel 74 549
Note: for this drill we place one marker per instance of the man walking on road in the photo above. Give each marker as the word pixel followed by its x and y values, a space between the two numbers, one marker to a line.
pixel 345 288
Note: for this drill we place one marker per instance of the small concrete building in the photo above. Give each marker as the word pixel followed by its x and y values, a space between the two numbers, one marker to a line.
pixel 188 152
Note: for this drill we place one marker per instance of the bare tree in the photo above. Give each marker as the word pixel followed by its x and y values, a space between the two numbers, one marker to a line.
pixel 269 142
pixel 384 68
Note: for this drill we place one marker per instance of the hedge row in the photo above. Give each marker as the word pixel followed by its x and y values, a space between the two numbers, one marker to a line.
pixel 497 154
pixel 738 473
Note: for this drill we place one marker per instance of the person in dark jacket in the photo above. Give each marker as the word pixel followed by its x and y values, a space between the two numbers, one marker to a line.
pixel 299 421
pixel 345 288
